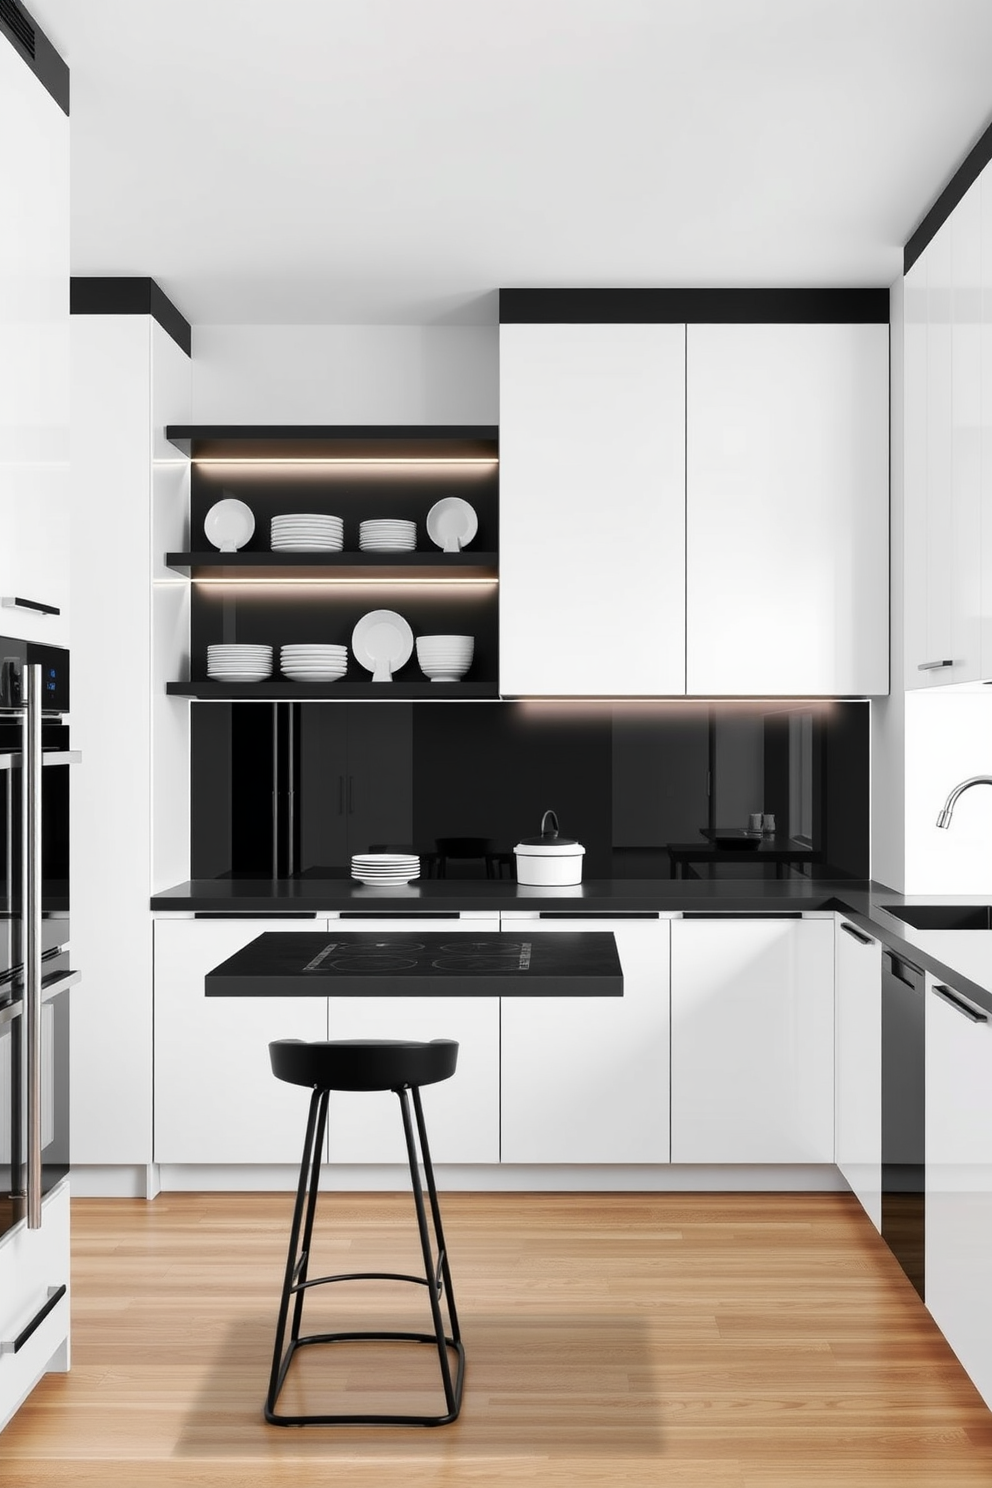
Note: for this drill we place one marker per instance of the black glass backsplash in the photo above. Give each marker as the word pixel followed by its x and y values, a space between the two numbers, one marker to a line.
pixel 296 788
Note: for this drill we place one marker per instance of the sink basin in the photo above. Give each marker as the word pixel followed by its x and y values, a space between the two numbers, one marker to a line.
pixel 943 916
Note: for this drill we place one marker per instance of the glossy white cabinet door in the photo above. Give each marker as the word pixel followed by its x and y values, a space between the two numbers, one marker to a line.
pixel 585 1079
pixel 462 1114
pixel 858 1072
pixel 787 509
pixel 216 1098
pixel 959 1184
pixel 34 352
pixel 592 509
pixel 33 1263
pixel 752 1041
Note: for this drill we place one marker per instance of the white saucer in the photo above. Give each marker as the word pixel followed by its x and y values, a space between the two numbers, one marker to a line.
pixel 452 524
pixel 229 524
pixel 382 642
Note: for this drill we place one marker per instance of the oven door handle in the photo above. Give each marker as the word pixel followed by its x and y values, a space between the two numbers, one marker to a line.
pixel 14 760
pixel 31 880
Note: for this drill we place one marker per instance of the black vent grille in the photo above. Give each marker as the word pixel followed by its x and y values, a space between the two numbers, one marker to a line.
pixel 13 19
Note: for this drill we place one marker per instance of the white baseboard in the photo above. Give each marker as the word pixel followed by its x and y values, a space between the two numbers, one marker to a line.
pixel 504 1178
pixel 115 1180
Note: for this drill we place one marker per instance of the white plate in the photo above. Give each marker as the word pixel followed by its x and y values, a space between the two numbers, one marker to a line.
pixel 307 519
pixel 452 524
pixel 382 642
pixel 239 676
pixel 229 524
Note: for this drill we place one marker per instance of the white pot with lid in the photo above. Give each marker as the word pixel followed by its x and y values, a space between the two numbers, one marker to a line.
pixel 550 858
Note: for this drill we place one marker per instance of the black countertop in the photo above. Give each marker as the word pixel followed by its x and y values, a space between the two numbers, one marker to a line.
pixel 957 957
pixel 334 962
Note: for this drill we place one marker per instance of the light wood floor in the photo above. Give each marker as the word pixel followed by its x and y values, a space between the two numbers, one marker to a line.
pixel 676 1341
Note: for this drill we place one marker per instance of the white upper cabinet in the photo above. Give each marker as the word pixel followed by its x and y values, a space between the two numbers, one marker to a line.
pixel 592 509
pixel 787 509
pixel 943 479
pixel 34 353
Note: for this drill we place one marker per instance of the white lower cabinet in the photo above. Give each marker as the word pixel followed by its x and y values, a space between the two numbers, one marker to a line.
pixel 858 1070
pixel 462 1114
pixel 959 1179
pixel 34 1264
pixel 585 1079
pixel 752 1041
pixel 216 1099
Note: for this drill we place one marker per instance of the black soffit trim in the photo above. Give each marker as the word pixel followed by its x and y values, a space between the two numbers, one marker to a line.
pixel 694 306
pixel 31 43
pixel 132 296
pixel 966 174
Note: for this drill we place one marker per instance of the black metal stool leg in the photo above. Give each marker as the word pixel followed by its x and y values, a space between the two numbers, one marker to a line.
pixel 309 1174
pixel 436 1215
pixel 452 1390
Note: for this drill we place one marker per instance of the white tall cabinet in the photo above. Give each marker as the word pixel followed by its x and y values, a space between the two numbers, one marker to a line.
pixel 34 354
pixel 787 509
pixel 130 803
pixel 592 509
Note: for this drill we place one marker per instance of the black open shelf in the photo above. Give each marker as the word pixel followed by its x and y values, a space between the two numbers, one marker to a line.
pixel 302 441
pixel 279 691
pixel 309 565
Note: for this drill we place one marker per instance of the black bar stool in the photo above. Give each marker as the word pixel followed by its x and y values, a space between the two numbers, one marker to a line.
pixel 365 1064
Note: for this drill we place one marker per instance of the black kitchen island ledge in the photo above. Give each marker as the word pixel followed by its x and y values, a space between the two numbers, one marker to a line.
pixel 863 902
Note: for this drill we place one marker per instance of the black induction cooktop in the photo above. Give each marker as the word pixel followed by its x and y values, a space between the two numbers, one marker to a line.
pixel 422 963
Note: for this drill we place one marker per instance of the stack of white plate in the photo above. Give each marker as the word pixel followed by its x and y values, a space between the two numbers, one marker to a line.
pixel 313 663
pixel 385 868
pixel 387 537
pixel 300 532
pixel 445 658
pixel 239 663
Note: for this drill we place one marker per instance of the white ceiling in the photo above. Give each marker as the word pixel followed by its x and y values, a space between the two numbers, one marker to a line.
pixel 396 161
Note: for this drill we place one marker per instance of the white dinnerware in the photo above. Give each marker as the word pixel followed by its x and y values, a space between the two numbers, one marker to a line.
pixel 306 531
pixel 452 524
pixel 382 642
pixel 445 658
pixel 383 869
pixel 229 524
pixel 387 536
pixel 239 663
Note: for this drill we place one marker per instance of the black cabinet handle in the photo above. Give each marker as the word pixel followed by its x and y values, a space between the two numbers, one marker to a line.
pixel 55 1296
pixel 15 602
pixel 351 795
pixel 905 972
pixel 856 934
pixel 960 1005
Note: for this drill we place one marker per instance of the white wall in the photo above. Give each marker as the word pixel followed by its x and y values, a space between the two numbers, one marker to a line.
pixel 340 374
pixel 948 738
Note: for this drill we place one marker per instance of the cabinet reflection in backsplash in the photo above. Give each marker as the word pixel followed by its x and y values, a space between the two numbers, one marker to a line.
pixel 651 790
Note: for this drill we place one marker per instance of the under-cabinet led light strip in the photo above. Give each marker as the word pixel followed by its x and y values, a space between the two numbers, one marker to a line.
pixel 335 583
pixel 480 461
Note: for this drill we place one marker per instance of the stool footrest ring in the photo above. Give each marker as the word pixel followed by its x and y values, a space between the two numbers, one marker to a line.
pixel 301 1286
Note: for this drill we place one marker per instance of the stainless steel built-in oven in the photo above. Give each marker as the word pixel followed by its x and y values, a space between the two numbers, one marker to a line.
pixel 35 973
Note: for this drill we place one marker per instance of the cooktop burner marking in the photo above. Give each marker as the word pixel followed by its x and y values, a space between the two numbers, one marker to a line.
pixel 471 963
pixel 314 965
pixel 465 947
pixel 525 956
pixel 372 963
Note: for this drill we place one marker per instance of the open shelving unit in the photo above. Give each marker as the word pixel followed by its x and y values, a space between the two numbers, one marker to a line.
pixel 259 596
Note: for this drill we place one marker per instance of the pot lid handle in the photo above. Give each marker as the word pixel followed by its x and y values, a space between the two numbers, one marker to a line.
pixel 547 831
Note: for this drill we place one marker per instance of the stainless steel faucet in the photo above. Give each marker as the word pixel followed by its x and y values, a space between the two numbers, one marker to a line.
pixel 944 819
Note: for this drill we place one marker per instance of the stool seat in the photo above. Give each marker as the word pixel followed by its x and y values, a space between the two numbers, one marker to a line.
pixel 363 1064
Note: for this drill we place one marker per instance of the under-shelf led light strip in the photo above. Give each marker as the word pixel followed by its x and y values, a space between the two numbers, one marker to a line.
pixel 335 583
